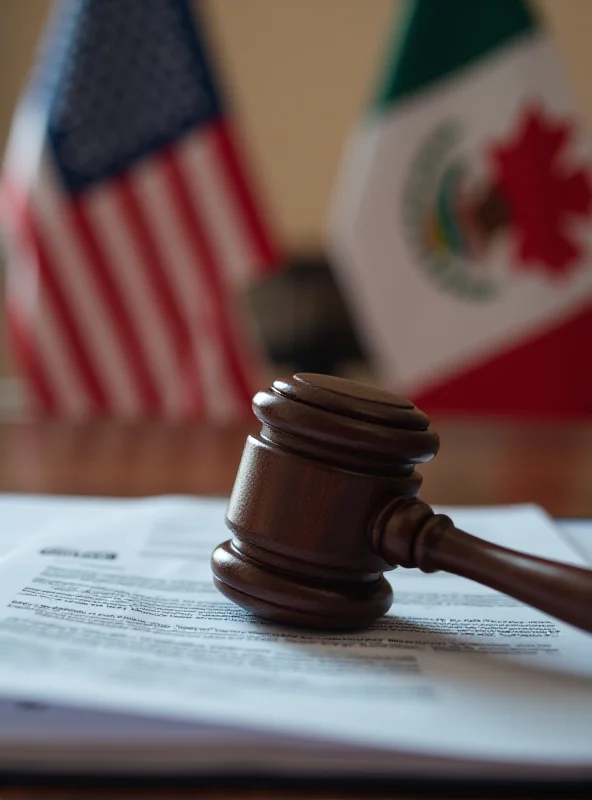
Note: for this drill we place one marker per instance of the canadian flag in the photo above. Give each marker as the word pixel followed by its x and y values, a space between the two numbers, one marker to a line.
pixel 462 224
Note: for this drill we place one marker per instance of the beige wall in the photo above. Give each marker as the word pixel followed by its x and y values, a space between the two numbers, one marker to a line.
pixel 300 70
pixel 20 24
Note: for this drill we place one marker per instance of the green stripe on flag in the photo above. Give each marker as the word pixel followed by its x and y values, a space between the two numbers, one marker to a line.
pixel 438 37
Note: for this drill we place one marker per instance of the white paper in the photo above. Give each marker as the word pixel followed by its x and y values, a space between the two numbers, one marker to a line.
pixel 578 532
pixel 118 611
pixel 23 517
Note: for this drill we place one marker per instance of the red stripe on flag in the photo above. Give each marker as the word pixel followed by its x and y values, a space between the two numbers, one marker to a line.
pixel 266 250
pixel 128 340
pixel 139 228
pixel 212 273
pixel 31 235
pixel 543 375
pixel 28 358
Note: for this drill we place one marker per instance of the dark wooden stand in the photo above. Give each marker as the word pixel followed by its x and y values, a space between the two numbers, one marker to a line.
pixel 325 501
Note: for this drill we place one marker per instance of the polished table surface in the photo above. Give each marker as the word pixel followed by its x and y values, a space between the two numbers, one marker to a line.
pixel 480 462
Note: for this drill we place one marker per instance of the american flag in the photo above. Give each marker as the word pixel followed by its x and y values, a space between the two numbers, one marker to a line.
pixel 130 222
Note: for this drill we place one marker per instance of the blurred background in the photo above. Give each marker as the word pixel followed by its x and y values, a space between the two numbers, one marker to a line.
pixel 299 73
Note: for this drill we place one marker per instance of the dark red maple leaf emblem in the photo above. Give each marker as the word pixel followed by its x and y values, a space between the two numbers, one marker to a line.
pixel 543 192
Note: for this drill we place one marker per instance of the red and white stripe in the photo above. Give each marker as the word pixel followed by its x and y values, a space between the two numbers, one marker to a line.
pixel 122 298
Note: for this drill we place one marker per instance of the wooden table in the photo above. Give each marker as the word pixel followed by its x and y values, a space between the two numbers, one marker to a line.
pixel 480 462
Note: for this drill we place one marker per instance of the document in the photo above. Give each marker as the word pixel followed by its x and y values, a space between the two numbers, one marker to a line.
pixel 111 628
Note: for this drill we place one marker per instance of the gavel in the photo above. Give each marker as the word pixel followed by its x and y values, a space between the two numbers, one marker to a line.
pixel 326 500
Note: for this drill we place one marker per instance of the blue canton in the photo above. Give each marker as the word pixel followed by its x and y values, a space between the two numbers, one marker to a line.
pixel 122 78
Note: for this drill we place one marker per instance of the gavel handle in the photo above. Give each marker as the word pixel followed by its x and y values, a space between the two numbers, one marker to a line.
pixel 408 533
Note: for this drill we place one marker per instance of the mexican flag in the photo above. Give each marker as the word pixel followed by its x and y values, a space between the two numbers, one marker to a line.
pixel 462 223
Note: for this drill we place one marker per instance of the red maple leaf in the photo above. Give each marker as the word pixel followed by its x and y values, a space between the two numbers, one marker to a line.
pixel 543 193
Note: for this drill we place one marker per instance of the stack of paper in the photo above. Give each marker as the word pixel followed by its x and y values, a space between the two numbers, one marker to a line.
pixel 118 655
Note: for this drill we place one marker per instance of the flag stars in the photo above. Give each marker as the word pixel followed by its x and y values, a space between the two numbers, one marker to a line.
pixel 136 80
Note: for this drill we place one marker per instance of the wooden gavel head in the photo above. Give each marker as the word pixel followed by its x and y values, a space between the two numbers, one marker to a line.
pixel 331 458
